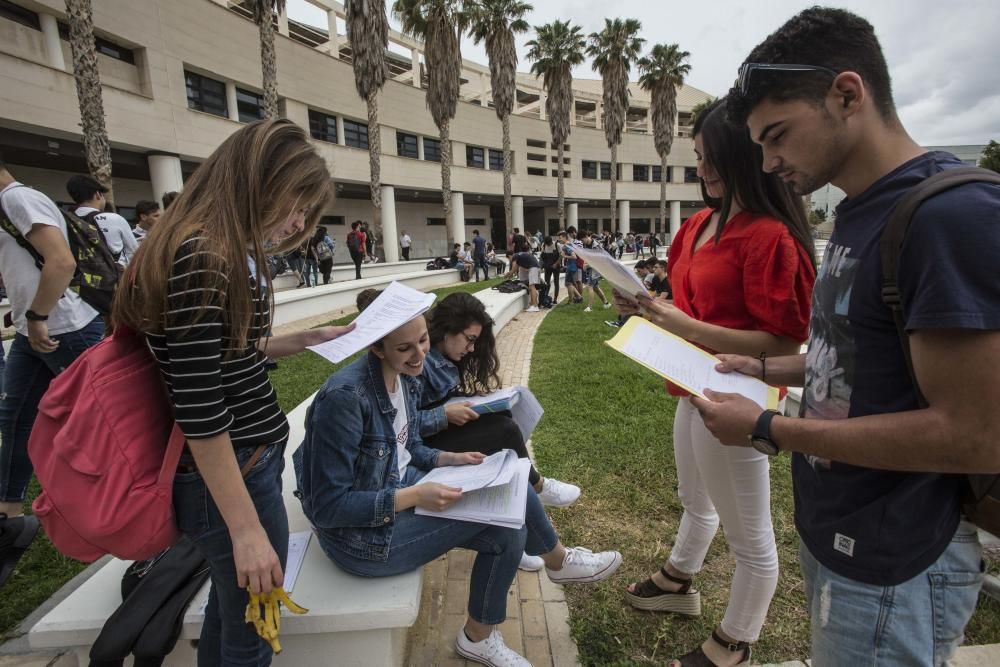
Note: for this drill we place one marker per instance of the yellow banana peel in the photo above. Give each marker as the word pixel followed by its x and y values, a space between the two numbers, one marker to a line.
pixel 268 623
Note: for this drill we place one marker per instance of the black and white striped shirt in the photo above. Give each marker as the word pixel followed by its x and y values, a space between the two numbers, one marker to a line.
pixel 214 393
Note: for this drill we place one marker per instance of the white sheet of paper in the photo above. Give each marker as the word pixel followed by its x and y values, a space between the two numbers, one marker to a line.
pixel 621 277
pixel 688 367
pixel 394 307
pixel 495 470
pixel 526 412
pixel 496 505
pixel 500 395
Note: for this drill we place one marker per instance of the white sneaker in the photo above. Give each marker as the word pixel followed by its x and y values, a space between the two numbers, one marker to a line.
pixel 588 309
pixel 558 494
pixel 583 565
pixel 607 305
pixel 531 563
pixel 491 651
pixel 532 309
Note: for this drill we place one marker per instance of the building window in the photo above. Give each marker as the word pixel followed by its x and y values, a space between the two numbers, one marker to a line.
pixel 658 172
pixel 536 157
pixel 26 17
pixel 475 156
pixel 606 171
pixel 555 172
pixel 207 95
pixel 332 221
pixel 249 105
pixel 589 169
pixel 554 146
pixel 496 160
pixel 435 222
pixel 690 174
pixel 639 225
pixel 406 145
pixel 355 134
pixel 323 127
pixel 535 143
pixel 640 172
pixel 535 171
pixel 432 150
pixel 475 222
pixel 112 50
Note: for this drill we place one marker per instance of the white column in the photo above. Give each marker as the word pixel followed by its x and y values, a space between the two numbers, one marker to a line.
pixel 420 147
pixel 598 113
pixel 624 216
pixel 283 23
pixel 675 218
pixel 331 25
pixel 340 130
pixel 649 120
pixel 53 47
pixel 165 174
pixel 483 88
pixel 572 215
pixel 542 98
pixel 390 235
pixel 231 107
pixel 572 113
pixel 517 213
pixel 456 224
pixel 415 68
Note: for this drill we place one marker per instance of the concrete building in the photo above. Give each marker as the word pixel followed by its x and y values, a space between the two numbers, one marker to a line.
pixel 179 76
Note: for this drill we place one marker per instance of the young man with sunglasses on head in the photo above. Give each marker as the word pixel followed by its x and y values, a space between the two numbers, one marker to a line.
pixel 892 572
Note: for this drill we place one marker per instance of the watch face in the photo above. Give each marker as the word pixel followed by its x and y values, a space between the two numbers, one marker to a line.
pixel 764 446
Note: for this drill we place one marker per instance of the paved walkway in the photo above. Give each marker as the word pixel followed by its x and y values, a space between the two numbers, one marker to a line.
pixel 537 623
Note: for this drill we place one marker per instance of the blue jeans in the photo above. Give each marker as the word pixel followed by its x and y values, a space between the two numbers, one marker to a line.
pixel 311 273
pixel 418 539
pixel 26 378
pixel 918 622
pixel 226 639
pixel 480 261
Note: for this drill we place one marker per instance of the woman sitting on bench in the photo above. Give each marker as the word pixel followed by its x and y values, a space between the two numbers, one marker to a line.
pixel 357 469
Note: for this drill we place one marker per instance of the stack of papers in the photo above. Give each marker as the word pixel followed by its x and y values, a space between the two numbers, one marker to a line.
pixel 486 498
pixel 394 307
pixel 687 366
pixel 519 401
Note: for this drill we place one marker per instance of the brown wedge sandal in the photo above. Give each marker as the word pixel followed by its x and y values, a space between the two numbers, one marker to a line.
pixel 650 597
pixel 697 657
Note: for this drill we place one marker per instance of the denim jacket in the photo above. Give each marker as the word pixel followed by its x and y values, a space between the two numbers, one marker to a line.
pixel 439 382
pixel 346 467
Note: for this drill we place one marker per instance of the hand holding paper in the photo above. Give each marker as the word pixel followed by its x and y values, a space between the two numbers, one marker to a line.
pixel 624 279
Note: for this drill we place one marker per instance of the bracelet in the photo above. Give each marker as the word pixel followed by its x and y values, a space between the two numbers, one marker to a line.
pixel 763 366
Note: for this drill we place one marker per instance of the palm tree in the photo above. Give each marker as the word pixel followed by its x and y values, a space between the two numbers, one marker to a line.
pixel 368 34
pixel 614 50
pixel 557 48
pixel 96 145
pixel 496 22
pixel 263 15
pixel 439 23
pixel 701 106
pixel 663 72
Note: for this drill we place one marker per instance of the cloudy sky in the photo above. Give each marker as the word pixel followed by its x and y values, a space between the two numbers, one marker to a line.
pixel 945 75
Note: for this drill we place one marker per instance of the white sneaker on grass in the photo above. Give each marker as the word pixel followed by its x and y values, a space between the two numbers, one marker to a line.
pixel 491 651
pixel 558 494
pixel 583 566
pixel 531 563
pixel 588 309
pixel 607 304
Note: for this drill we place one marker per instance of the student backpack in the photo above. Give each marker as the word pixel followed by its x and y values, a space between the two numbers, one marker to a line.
pixel 97 270
pixel 354 243
pixel 981 504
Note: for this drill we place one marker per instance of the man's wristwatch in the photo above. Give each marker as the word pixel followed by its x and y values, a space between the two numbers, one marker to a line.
pixel 760 439
pixel 35 317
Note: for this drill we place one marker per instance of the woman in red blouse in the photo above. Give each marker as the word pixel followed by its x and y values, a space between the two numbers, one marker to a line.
pixel 742 272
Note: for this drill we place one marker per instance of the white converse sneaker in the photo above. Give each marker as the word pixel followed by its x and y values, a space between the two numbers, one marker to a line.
pixel 491 651
pixel 583 565
pixel 532 309
pixel 531 563
pixel 588 309
pixel 558 494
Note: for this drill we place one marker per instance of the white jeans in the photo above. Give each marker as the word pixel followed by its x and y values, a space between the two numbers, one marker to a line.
pixel 732 484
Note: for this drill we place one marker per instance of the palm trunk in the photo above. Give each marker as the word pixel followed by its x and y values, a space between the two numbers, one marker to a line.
pixel 446 170
pixel 269 67
pixel 614 188
pixel 561 188
pixel 375 153
pixel 508 215
pixel 96 145
pixel 664 225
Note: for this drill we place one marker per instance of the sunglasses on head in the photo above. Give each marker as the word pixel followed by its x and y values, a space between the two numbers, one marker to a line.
pixel 747 70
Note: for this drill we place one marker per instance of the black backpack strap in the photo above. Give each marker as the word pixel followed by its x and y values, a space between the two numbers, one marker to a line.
pixel 8 226
pixel 894 235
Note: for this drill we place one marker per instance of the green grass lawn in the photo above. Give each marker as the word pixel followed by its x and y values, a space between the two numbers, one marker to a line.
pixel 607 427
pixel 43 570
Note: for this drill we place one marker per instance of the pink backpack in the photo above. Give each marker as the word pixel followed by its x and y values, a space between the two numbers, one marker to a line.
pixel 105 449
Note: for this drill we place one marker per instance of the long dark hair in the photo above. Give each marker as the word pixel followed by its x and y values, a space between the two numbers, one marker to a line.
pixel 478 370
pixel 738 162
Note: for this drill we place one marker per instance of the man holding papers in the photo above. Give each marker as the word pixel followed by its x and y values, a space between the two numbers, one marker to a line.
pixel 358 470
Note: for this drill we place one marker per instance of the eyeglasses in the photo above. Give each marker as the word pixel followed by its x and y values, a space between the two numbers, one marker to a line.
pixel 747 69
pixel 469 340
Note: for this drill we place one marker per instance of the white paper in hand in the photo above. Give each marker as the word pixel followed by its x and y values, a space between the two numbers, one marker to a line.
pixel 394 307
pixel 621 277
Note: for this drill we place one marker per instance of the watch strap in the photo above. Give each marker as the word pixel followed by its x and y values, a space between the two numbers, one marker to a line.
pixel 762 429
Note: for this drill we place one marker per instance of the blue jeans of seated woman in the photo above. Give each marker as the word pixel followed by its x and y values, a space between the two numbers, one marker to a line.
pixel 226 639
pixel 418 539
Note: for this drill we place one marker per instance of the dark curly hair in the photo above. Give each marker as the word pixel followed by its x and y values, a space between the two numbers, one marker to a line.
pixel 478 370
pixel 833 38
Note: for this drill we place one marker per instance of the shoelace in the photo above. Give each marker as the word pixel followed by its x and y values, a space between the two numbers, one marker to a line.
pixel 579 556
pixel 497 648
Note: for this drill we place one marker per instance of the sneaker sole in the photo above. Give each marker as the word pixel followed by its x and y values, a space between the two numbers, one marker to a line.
pixel 473 657
pixel 597 576
pixel 551 504
pixel 17 550
pixel 687 604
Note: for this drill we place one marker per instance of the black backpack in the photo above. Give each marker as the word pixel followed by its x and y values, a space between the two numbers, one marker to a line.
pixel 97 270
pixel 982 498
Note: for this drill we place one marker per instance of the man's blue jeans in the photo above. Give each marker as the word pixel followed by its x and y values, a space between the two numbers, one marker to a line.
pixel 918 622
pixel 26 378
pixel 418 539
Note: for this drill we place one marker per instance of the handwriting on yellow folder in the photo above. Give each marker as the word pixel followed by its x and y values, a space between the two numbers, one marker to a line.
pixel 684 364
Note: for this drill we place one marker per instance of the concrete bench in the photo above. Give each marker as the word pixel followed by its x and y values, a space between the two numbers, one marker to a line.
pixel 342 272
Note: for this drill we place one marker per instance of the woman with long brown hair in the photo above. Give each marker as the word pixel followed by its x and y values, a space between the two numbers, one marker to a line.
pixel 205 315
